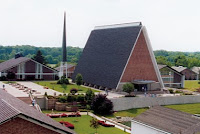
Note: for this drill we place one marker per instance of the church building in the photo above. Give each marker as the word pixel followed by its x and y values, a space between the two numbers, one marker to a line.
pixel 119 54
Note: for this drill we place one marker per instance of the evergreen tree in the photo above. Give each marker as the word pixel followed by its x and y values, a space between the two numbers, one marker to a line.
pixel 39 57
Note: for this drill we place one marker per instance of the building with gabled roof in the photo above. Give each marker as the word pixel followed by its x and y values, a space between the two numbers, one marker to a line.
pixel 189 74
pixel 24 68
pixel 197 71
pixel 162 120
pixel 117 54
pixel 171 77
pixel 19 118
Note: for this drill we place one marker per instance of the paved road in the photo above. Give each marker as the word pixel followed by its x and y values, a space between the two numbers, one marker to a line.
pixel 13 91
pixel 39 89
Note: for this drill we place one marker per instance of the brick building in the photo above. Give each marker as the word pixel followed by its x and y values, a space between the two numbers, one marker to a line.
pixel 117 54
pixel 189 74
pixel 171 77
pixel 70 70
pixel 16 117
pixel 23 68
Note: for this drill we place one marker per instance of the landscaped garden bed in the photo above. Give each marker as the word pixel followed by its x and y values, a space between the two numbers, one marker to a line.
pixel 82 126
pixel 63 88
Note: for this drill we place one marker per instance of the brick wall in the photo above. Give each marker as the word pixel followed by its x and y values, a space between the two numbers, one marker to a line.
pixel 21 126
pixel 140 66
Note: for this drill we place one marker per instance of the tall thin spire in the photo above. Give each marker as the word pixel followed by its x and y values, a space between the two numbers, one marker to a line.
pixel 64 43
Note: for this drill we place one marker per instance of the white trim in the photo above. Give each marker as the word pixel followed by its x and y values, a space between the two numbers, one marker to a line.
pixel 152 56
pixel 128 59
pixel 118 25
pixel 43 124
pixel 150 126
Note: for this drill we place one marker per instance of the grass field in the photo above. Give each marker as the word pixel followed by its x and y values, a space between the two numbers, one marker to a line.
pixel 82 126
pixel 128 113
pixel 192 85
pixel 62 87
pixel 188 108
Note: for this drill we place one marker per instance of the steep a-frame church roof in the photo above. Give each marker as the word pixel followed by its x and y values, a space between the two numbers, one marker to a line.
pixel 106 54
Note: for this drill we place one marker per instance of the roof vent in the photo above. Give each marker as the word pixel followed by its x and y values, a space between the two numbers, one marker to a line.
pixel 17 55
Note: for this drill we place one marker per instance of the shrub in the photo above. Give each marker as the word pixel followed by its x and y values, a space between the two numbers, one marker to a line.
pixel 79 79
pixel 89 96
pixel 101 105
pixel 177 91
pixel 45 94
pixel 80 98
pixel 63 80
pixel 71 98
pixel 73 91
pixel 171 91
pixel 62 99
pixel 188 94
pixel 128 87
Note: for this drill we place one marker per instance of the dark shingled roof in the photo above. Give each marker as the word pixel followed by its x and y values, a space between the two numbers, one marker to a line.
pixel 106 54
pixel 11 107
pixel 169 120
pixel 162 66
pixel 12 62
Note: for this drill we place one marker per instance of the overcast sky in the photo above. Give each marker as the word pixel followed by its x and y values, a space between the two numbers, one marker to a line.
pixel 171 24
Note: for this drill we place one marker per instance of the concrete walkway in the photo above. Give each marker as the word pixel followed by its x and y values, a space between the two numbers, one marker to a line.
pixel 38 88
pixel 13 90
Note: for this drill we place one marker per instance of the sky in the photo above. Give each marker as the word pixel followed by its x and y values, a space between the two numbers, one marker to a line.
pixel 172 25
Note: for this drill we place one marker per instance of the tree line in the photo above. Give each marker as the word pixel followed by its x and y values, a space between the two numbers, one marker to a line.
pixel 186 59
pixel 53 55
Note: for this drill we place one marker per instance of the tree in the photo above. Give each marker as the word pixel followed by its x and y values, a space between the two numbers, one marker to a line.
pixel 89 96
pixel 94 123
pixel 79 79
pixel 181 60
pixel 101 105
pixel 128 87
pixel 39 57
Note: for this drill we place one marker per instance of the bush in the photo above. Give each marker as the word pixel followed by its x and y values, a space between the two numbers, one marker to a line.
pixel 63 80
pixel 71 98
pixel 177 91
pixel 89 96
pixel 79 79
pixel 171 91
pixel 188 94
pixel 128 87
pixel 3 78
pixel 62 99
pixel 80 98
pixel 73 91
pixel 101 105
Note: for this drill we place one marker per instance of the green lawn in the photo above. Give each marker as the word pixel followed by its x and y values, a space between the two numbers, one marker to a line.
pixel 192 85
pixel 82 126
pixel 128 113
pixel 62 87
pixel 188 108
